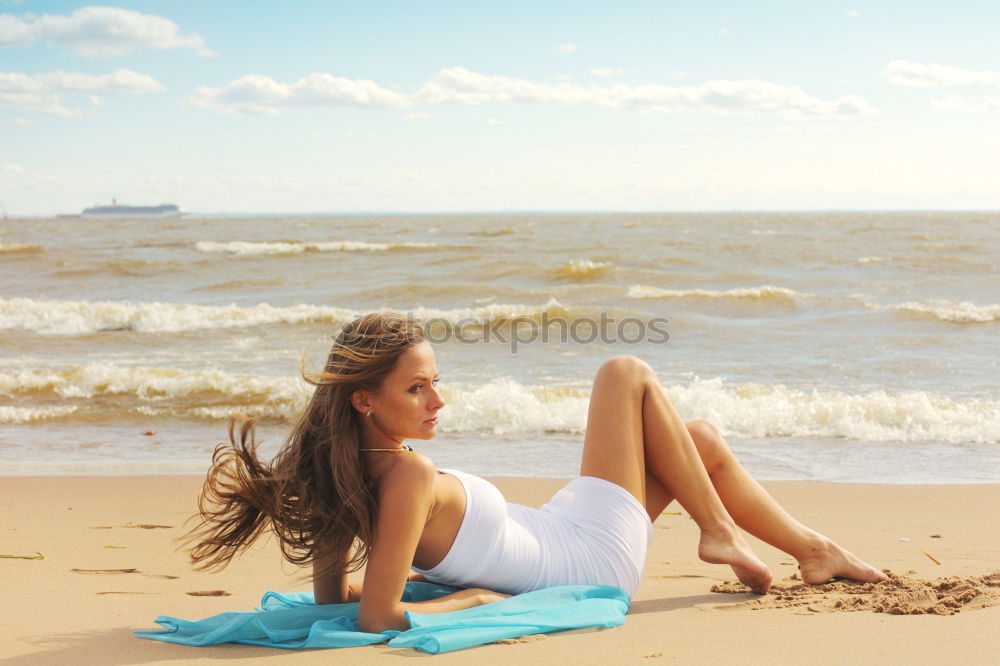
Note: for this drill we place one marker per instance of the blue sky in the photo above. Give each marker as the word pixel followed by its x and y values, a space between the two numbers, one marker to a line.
pixel 398 105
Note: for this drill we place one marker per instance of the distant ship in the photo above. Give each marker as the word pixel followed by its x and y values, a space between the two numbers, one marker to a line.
pixel 120 210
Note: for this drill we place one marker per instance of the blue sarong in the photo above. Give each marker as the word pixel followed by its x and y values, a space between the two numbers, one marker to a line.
pixel 296 621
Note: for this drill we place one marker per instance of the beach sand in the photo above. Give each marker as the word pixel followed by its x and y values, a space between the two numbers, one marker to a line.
pixel 111 565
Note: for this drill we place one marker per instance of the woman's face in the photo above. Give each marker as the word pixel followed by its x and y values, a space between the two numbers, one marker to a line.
pixel 407 403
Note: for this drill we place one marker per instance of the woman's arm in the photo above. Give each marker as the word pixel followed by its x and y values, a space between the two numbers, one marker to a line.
pixel 333 588
pixel 328 588
pixel 405 500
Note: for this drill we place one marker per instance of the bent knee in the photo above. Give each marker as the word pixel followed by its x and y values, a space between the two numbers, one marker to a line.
pixel 708 440
pixel 703 429
pixel 625 366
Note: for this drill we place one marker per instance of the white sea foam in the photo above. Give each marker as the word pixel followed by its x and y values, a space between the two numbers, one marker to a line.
pixel 506 407
pixel 583 269
pixel 52 317
pixel 16 415
pixel 294 247
pixel 963 312
pixel 959 313
pixel 762 411
pixel 491 312
pixel 875 259
pixel 743 411
pixel 18 247
pixel 160 390
pixel 765 292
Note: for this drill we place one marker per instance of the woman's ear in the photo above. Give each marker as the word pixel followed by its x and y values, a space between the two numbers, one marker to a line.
pixel 359 401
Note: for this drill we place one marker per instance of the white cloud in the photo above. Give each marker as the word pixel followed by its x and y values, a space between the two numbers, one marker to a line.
pixel 22 122
pixel 44 93
pixel 906 73
pixel 491 121
pixel 417 115
pixel 723 31
pixel 459 85
pixel 98 32
pixel 11 168
pixel 953 103
pixel 606 71
pixel 853 13
pixel 261 94
pixel 566 49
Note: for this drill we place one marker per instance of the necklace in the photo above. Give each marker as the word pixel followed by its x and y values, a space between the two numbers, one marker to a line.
pixel 400 450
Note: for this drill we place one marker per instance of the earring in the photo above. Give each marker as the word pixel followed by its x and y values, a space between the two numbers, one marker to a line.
pixel 370 412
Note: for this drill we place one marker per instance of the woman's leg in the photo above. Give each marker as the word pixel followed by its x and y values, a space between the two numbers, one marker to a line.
pixel 636 439
pixel 692 463
pixel 753 509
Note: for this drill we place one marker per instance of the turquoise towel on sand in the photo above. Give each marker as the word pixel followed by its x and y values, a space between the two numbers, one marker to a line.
pixel 295 621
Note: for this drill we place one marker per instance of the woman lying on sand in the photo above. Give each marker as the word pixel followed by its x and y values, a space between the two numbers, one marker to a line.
pixel 345 491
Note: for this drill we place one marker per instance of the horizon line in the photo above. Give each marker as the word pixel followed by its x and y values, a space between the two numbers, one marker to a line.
pixel 530 211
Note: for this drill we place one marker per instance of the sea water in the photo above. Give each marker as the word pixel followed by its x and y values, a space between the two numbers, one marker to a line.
pixel 832 346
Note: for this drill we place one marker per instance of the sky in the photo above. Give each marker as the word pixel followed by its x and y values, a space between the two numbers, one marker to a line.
pixel 435 106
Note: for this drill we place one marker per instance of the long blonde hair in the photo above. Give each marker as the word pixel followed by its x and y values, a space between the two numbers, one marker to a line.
pixel 316 495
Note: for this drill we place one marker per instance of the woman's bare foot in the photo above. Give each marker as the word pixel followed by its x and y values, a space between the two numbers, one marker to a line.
pixel 727 546
pixel 826 560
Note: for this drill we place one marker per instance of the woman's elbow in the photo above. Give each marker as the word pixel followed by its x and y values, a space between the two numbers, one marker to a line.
pixel 376 623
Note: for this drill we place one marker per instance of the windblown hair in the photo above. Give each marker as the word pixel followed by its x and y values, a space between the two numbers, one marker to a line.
pixel 316 495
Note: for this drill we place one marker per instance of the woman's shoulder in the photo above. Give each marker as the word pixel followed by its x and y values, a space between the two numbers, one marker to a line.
pixel 410 467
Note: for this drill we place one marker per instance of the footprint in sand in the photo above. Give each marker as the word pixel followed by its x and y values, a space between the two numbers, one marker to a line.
pixel 900 595
pixel 147 526
pixel 113 572
pixel 105 571
pixel 136 526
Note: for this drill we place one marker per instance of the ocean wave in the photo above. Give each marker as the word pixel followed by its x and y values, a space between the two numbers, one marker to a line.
pixel 584 269
pixel 112 389
pixel 960 313
pixel 19 247
pixel 493 233
pixel 764 411
pixel 964 312
pixel 875 259
pixel 762 293
pixel 505 407
pixel 10 415
pixel 52 317
pixel 294 247
pixel 756 411
pixel 493 315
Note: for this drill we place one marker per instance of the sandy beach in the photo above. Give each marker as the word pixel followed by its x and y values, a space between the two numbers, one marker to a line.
pixel 111 565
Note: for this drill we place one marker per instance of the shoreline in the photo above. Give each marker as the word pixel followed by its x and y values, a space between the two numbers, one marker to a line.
pixel 111 565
